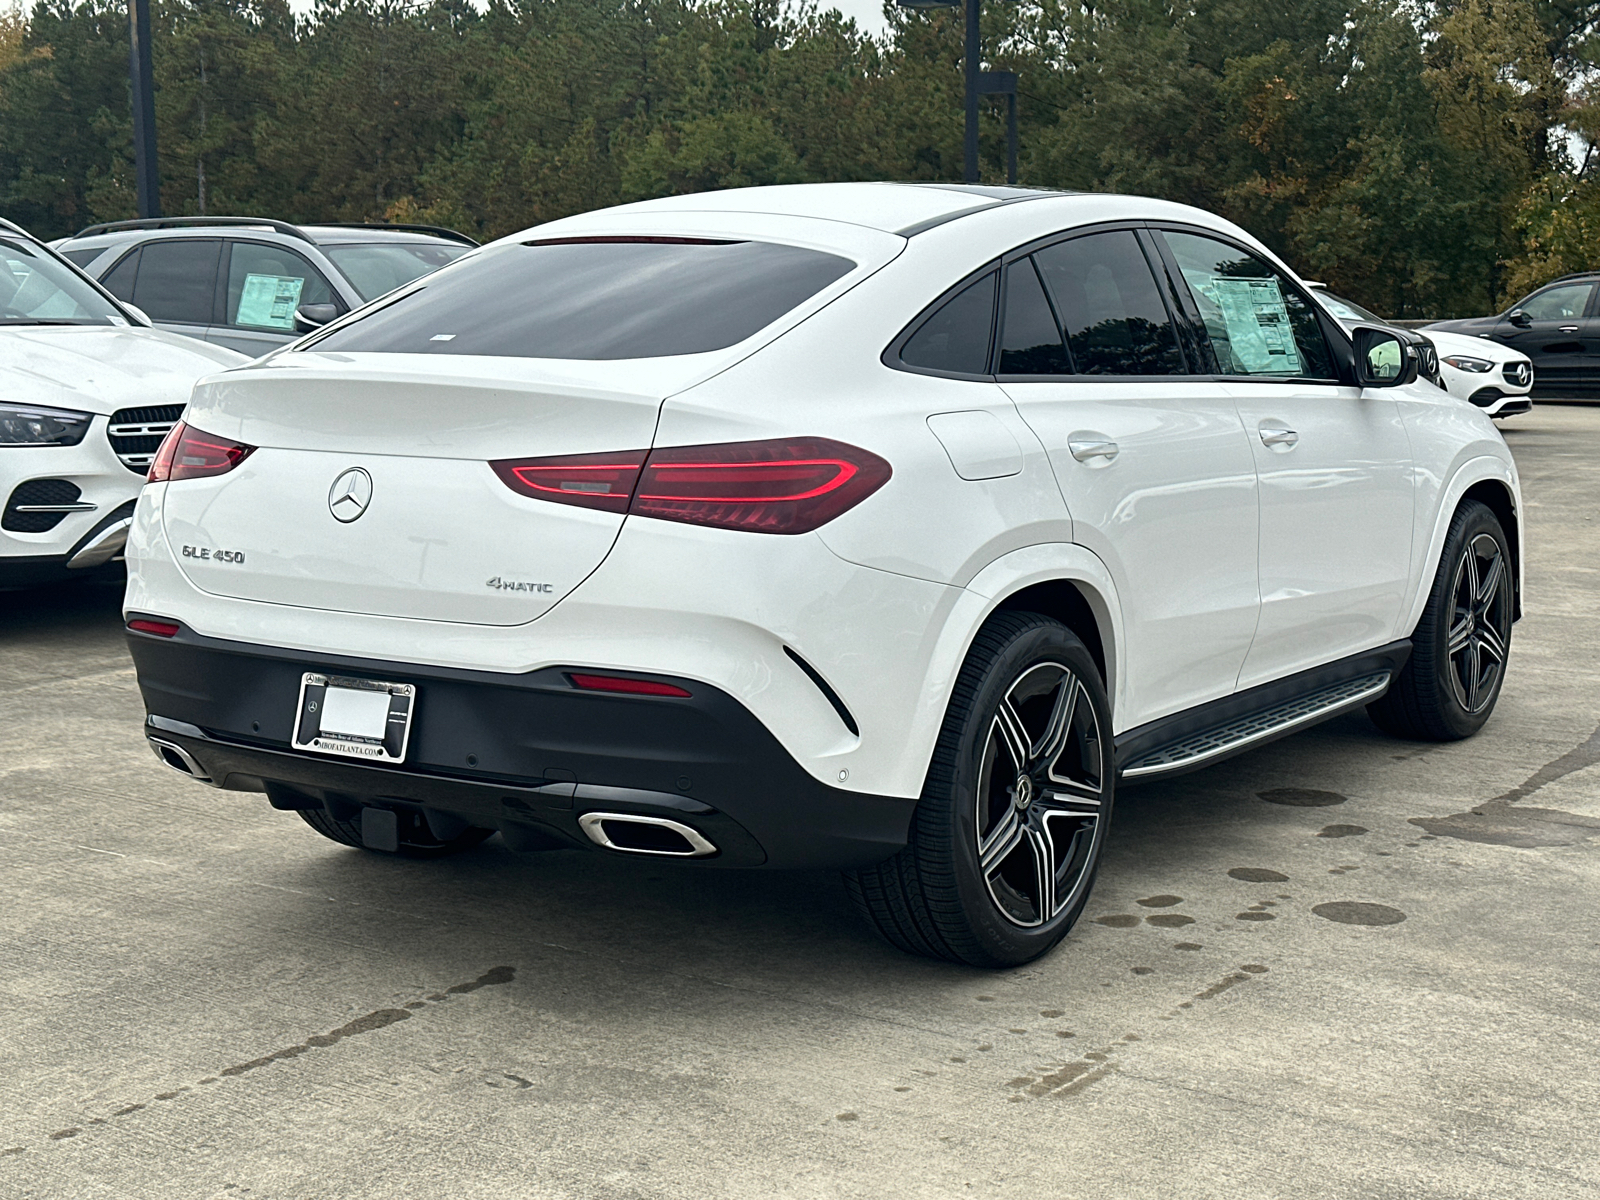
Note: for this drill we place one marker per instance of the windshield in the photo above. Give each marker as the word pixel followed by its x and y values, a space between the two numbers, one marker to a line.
pixel 379 267
pixel 596 298
pixel 39 289
pixel 1344 309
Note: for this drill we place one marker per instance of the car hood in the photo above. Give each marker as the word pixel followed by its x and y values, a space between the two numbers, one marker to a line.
pixel 101 368
pixel 1471 327
pixel 1448 342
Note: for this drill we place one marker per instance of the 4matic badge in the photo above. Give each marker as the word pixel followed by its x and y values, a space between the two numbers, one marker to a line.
pixel 517 585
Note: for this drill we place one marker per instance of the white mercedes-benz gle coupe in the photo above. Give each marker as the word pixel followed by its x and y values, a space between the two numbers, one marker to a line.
pixel 875 526
pixel 87 392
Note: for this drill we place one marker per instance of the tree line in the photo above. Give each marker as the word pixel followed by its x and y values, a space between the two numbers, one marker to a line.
pixel 1427 159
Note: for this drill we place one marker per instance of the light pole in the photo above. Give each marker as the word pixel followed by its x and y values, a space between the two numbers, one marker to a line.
pixel 142 75
pixel 979 83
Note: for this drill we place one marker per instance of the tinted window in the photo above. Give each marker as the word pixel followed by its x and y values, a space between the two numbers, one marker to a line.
pixel 120 280
pixel 177 280
pixel 383 266
pixel 1559 303
pixel 1258 323
pixel 267 283
pixel 956 336
pixel 1110 308
pixel 1031 343
pixel 36 287
pixel 82 258
pixel 597 299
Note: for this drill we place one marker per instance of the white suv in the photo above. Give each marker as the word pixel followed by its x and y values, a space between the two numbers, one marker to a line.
pixel 876 526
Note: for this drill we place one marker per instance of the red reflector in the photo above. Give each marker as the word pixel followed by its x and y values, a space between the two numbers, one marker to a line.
pixel 190 453
pixel 603 481
pixel 159 628
pixel 781 486
pixel 788 485
pixel 633 687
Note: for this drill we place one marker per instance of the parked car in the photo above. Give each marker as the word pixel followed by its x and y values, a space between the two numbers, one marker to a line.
pixel 875 526
pixel 1556 327
pixel 1496 378
pixel 252 284
pixel 87 392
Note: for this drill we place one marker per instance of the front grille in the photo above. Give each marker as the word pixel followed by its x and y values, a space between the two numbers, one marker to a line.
pixel 1518 373
pixel 38 491
pixel 135 433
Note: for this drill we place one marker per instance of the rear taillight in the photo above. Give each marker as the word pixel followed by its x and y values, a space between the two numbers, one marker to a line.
pixel 190 453
pixel 788 485
pixel 591 480
pixel 158 628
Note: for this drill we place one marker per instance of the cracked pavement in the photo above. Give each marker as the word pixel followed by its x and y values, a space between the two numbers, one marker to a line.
pixel 1340 966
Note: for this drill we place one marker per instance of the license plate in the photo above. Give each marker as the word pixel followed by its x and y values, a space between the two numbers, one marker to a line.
pixel 356 718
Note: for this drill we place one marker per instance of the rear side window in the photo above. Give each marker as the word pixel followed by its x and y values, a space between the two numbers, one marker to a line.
pixel 1031 343
pixel 597 298
pixel 1258 323
pixel 119 280
pixel 177 280
pixel 82 258
pixel 955 337
pixel 1110 307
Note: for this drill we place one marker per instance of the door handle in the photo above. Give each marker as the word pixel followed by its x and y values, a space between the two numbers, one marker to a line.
pixel 1084 451
pixel 1568 328
pixel 1278 437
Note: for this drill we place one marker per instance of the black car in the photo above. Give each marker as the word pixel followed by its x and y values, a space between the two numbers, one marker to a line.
pixel 1558 327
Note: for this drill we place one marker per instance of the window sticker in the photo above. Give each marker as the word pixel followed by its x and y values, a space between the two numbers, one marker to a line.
pixel 1261 337
pixel 269 301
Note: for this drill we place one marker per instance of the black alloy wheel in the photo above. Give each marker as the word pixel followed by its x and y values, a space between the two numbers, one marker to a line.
pixel 1462 644
pixel 1014 814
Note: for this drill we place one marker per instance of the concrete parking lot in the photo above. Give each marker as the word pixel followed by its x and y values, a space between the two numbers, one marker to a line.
pixel 1341 966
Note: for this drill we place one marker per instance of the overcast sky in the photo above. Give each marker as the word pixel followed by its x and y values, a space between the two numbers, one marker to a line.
pixel 868 14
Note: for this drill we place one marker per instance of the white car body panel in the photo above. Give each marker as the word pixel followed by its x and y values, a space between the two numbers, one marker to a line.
pixel 96 369
pixel 885 600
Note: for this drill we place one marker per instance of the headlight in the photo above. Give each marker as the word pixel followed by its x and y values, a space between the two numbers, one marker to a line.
pixel 30 425
pixel 1462 363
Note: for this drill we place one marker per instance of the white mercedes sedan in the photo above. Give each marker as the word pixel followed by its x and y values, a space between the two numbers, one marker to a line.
pixel 874 526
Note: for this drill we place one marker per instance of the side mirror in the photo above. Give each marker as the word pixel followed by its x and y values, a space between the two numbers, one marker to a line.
pixel 1383 358
pixel 1519 318
pixel 313 316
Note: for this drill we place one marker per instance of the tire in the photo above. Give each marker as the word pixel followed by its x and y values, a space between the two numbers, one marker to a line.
pixel 1459 651
pixel 417 840
pixel 968 885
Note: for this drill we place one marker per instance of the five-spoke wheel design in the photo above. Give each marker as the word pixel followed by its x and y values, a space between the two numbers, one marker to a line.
pixel 1480 623
pixel 1038 799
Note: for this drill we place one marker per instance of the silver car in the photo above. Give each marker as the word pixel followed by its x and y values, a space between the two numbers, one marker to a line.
pixel 252 284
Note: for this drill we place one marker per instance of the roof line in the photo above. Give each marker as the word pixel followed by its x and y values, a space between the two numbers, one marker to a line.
pixel 911 231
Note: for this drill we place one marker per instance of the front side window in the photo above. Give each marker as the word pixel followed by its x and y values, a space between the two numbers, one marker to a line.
pixel 955 338
pixel 36 289
pixel 1256 321
pixel 378 268
pixel 267 283
pixel 596 298
pixel 1565 303
pixel 1110 307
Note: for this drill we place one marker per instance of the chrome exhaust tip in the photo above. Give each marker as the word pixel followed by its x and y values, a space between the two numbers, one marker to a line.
pixel 178 759
pixel 634 833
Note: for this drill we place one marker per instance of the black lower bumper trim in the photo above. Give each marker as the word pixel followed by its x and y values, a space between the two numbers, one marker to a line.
pixel 525 754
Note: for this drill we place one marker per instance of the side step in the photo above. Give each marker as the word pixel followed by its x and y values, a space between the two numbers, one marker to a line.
pixel 1219 741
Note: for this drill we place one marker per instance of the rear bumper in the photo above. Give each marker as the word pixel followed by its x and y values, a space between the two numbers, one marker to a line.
pixel 525 754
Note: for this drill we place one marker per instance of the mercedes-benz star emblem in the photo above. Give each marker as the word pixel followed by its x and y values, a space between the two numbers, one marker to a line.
pixel 350 494
pixel 1524 374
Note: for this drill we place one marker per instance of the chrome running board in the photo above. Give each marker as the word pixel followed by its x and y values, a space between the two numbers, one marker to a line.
pixel 1240 734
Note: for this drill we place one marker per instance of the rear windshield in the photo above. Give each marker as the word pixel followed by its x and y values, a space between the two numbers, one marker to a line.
pixel 599 298
pixel 378 267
